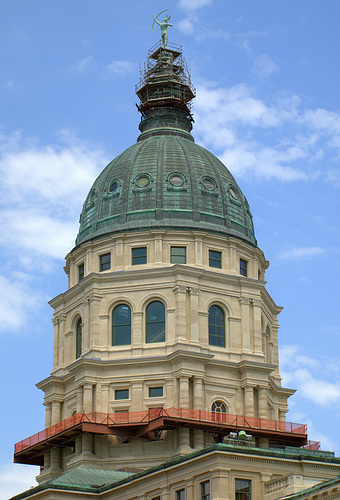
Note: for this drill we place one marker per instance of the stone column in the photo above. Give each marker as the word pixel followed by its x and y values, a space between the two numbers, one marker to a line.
pixel 55 414
pixel 79 392
pixel 87 398
pixel 184 391
pixel 48 417
pixel 262 402
pixel 198 405
pixel 249 401
pixel 245 323
pixel 183 433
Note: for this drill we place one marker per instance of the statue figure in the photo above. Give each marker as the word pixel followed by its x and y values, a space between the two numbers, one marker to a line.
pixel 164 28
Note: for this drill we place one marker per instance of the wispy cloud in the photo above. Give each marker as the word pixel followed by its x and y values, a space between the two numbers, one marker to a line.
pixel 306 374
pixel 193 4
pixel 264 66
pixel 117 68
pixel 301 253
pixel 84 65
pixel 42 191
pixel 232 121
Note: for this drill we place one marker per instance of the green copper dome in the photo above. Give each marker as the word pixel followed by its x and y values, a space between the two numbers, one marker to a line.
pixel 165 180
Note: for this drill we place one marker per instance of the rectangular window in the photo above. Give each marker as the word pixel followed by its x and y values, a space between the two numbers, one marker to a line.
pixel 139 256
pixel 81 271
pixel 156 498
pixel 178 255
pixel 122 394
pixel 105 262
pixel 155 392
pixel 205 490
pixel 243 267
pixel 215 259
pixel 242 489
pixel 180 494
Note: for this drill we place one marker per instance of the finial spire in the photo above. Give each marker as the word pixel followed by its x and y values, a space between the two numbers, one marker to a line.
pixel 163 26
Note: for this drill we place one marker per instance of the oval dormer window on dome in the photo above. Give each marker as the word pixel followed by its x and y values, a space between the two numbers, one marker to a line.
pixel 176 180
pixel 113 186
pixel 208 183
pixel 233 192
pixel 142 180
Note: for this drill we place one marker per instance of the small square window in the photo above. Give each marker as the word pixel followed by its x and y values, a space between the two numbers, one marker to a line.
pixel 81 271
pixel 243 267
pixel 242 489
pixel 215 259
pixel 105 262
pixel 178 255
pixel 122 394
pixel 180 494
pixel 139 256
pixel 155 392
pixel 205 490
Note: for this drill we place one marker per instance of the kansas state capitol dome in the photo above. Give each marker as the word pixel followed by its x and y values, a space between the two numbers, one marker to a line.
pixel 165 180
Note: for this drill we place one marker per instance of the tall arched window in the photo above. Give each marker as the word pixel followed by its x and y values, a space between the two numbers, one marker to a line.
pixel 79 338
pixel 155 322
pixel 216 326
pixel 121 325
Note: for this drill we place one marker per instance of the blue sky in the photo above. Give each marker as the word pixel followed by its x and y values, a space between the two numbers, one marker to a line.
pixel 267 80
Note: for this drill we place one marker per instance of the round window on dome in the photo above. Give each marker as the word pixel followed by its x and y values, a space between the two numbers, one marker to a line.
pixel 142 181
pixel 113 187
pixel 233 193
pixel 208 183
pixel 176 180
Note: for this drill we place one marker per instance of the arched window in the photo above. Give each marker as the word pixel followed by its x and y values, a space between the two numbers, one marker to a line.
pixel 216 326
pixel 121 325
pixel 218 407
pixel 155 322
pixel 79 338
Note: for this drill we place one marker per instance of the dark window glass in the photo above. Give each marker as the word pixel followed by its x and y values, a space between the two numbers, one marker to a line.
pixel 155 322
pixel 215 259
pixel 139 256
pixel 180 494
pixel 242 489
pixel 216 326
pixel 113 187
pixel 122 394
pixel 243 267
pixel 178 255
pixel 155 392
pixel 205 490
pixel 79 337
pixel 156 498
pixel 81 271
pixel 105 262
pixel 121 325
pixel 218 407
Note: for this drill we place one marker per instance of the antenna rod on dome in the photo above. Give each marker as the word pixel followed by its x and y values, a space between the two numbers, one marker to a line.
pixel 163 26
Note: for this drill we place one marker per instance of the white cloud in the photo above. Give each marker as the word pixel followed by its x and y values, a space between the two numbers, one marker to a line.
pixel 85 64
pixel 301 252
pixel 193 4
pixel 264 66
pixel 17 301
pixel 233 121
pixel 42 192
pixel 298 370
pixel 118 68
pixel 16 478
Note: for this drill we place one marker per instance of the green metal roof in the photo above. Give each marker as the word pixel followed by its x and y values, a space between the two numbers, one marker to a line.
pixel 81 476
pixel 165 181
